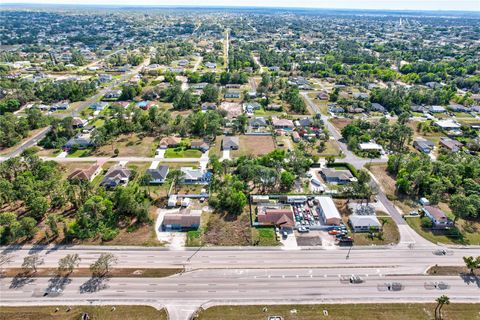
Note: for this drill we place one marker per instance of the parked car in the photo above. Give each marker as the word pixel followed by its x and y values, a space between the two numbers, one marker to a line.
pixel 303 229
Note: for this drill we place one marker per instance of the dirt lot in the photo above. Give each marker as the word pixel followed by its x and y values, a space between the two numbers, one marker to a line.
pixel 129 146
pixel 308 239
pixel 228 230
pixel 254 145
pixel 340 123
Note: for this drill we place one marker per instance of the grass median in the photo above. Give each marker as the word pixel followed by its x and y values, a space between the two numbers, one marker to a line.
pixel 85 272
pixel 76 312
pixel 424 311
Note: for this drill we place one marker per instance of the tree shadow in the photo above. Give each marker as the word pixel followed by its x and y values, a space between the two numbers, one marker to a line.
pixel 57 284
pixel 470 278
pixel 21 279
pixel 94 284
pixel 36 248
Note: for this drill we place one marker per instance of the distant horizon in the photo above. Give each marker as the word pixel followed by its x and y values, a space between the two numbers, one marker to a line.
pixel 373 5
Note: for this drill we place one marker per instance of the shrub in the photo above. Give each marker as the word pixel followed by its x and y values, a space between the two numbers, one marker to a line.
pixel 426 223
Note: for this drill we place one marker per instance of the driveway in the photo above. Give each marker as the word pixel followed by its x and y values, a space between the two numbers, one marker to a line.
pixel 289 243
pixel 225 155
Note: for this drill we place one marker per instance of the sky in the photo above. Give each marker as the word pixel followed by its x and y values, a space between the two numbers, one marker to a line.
pixel 457 5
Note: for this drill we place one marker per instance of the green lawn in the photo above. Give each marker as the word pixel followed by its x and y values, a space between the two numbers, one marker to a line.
pixel 179 153
pixel 341 312
pixel 80 153
pixel 95 312
pixel 266 113
pixel 264 237
pixel 194 238
pixel 469 233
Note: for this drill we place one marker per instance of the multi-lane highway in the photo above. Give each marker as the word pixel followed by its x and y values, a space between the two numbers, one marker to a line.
pixel 224 281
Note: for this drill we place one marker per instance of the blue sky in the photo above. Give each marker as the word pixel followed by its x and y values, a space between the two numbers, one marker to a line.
pixel 464 5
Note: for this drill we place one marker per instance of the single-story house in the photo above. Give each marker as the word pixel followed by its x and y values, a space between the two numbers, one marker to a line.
pixel 232 94
pixel 282 123
pixel 327 210
pixel 364 223
pixel 195 176
pixel 198 86
pixel 278 217
pixel 336 110
pixel 274 69
pixel 210 65
pixel 450 144
pixel 361 95
pixel 416 108
pixel 250 107
pixel 158 175
pixel 447 124
pixel 304 122
pixel 78 142
pixel 370 146
pixel 438 217
pixel 182 63
pixel 336 176
pixel 230 143
pixel 424 146
pixel 105 77
pixel 185 220
pixel 459 108
pixel 145 105
pixel 116 176
pixel 113 94
pixel 437 109
pixel 274 107
pixel 209 106
pixel 378 107
pixel 169 142
pixel 87 174
pixel 99 106
pixel 176 70
pixel 258 122
pixel 78 122
pixel 322 96
pixel 200 145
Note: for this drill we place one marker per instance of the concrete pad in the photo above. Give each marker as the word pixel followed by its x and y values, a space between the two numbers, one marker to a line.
pixel 290 243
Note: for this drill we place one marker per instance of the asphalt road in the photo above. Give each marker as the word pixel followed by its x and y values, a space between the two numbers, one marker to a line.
pixel 183 293
pixel 415 259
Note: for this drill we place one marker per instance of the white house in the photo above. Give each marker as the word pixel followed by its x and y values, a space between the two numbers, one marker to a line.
pixel 364 223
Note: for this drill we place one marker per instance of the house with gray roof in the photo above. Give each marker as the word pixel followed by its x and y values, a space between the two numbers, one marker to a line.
pixel 230 143
pixel 158 175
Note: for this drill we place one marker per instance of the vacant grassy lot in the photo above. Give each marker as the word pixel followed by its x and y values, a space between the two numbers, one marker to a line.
pixel 340 123
pixel 128 146
pixel 425 311
pixel 331 149
pixel 180 153
pixel 95 312
pixel 321 104
pixel 228 230
pixel 254 145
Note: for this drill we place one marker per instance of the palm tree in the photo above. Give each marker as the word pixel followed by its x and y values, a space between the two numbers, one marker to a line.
pixel 472 263
pixel 176 175
pixel 441 301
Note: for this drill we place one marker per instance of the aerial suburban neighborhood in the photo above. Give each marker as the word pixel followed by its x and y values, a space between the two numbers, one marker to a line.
pixel 203 162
